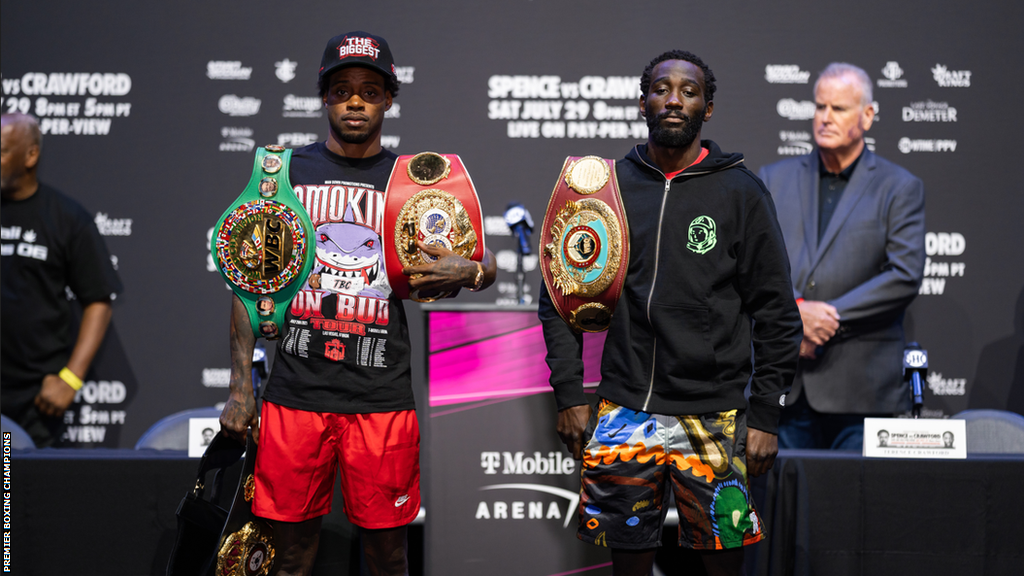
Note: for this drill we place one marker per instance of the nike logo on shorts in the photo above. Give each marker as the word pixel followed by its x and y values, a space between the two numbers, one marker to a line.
pixel 401 500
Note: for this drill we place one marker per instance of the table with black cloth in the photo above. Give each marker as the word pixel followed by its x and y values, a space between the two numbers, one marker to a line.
pixel 111 512
pixel 839 514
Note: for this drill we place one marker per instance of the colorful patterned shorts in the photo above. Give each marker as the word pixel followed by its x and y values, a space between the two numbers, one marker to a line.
pixel 628 461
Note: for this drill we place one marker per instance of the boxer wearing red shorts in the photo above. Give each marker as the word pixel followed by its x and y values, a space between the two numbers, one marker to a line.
pixel 376 455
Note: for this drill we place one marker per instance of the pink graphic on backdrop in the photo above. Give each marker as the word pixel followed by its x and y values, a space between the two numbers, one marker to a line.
pixel 478 356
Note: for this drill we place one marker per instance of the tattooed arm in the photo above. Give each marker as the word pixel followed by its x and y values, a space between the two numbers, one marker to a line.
pixel 240 410
pixel 450 271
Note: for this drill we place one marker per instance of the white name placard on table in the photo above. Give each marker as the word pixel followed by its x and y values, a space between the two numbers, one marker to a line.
pixel 200 433
pixel 915 438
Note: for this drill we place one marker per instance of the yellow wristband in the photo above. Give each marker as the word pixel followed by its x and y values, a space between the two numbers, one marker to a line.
pixel 71 379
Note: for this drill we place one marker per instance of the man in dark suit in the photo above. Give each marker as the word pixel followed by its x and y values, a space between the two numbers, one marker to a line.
pixel 854 228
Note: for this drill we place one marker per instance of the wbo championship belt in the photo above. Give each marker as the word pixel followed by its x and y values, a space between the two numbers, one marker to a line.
pixel 585 243
pixel 430 198
pixel 263 243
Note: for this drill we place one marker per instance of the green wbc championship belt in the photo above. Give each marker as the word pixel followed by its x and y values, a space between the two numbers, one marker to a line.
pixel 263 243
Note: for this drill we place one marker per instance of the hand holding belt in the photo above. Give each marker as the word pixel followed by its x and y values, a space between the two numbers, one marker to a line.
pixel 263 243
pixel 430 198
pixel 585 243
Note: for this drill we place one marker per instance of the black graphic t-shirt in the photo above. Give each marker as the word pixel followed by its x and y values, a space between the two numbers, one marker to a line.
pixel 346 346
pixel 48 242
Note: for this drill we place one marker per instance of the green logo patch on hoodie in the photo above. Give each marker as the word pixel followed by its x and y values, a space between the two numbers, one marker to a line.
pixel 701 235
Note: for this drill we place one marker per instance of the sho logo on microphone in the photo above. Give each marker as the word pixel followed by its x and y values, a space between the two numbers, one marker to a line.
pixel 915 358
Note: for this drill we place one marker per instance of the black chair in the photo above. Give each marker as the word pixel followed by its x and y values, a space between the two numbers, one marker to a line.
pixel 171 432
pixel 993 431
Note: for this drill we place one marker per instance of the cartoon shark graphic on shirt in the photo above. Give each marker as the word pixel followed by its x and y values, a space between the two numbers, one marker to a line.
pixel 349 259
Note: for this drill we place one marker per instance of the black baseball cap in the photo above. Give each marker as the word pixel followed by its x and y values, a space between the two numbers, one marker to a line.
pixel 358 49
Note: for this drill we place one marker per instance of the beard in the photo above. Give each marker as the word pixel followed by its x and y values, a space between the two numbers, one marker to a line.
pixel 675 136
pixel 351 137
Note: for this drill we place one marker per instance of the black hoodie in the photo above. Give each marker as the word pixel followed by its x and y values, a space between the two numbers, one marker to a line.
pixel 708 283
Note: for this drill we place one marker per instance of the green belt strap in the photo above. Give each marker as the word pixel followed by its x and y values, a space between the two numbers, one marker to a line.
pixel 264 243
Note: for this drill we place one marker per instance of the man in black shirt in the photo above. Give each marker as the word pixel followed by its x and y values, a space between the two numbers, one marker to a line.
pixel 49 244
pixel 339 399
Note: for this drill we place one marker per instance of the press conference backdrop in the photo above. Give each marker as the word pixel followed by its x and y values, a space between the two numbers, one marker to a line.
pixel 151 112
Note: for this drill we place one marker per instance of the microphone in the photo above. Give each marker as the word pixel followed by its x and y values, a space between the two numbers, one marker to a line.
pixel 518 219
pixel 915 364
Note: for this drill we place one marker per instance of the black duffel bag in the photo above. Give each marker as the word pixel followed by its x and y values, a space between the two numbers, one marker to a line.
pixel 200 520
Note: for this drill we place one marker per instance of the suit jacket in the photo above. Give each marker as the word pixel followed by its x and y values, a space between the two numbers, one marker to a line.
pixel 868 264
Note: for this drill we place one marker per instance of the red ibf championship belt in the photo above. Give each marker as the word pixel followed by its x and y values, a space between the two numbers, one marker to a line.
pixel 585 240
pixel 430 198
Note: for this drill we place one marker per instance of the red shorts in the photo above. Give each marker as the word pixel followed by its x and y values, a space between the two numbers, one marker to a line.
pixel 299 452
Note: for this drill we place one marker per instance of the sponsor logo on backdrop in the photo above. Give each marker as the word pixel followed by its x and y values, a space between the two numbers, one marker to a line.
pixel 285 70
pixel 227 70
pixel 507 294
pixel 795 143
pixel 216 377
pixel 786 74
pixel 870 143
pixel 946 78
pixel 929 111
pixel 236 139
pixel 496 226
pixel 390 142
pixel 302 107
pixel 519 463
pixel 940 386
pixel 405 73
pixel 76 116
pixel 238 106
pixel 548 107
pixel 795 110
pixel 506 260
pixel 113 226
pixel 908 145
pixel 296 139
pixel 394 112
pixel 893 76
pixel 938 271
pixel 90 422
